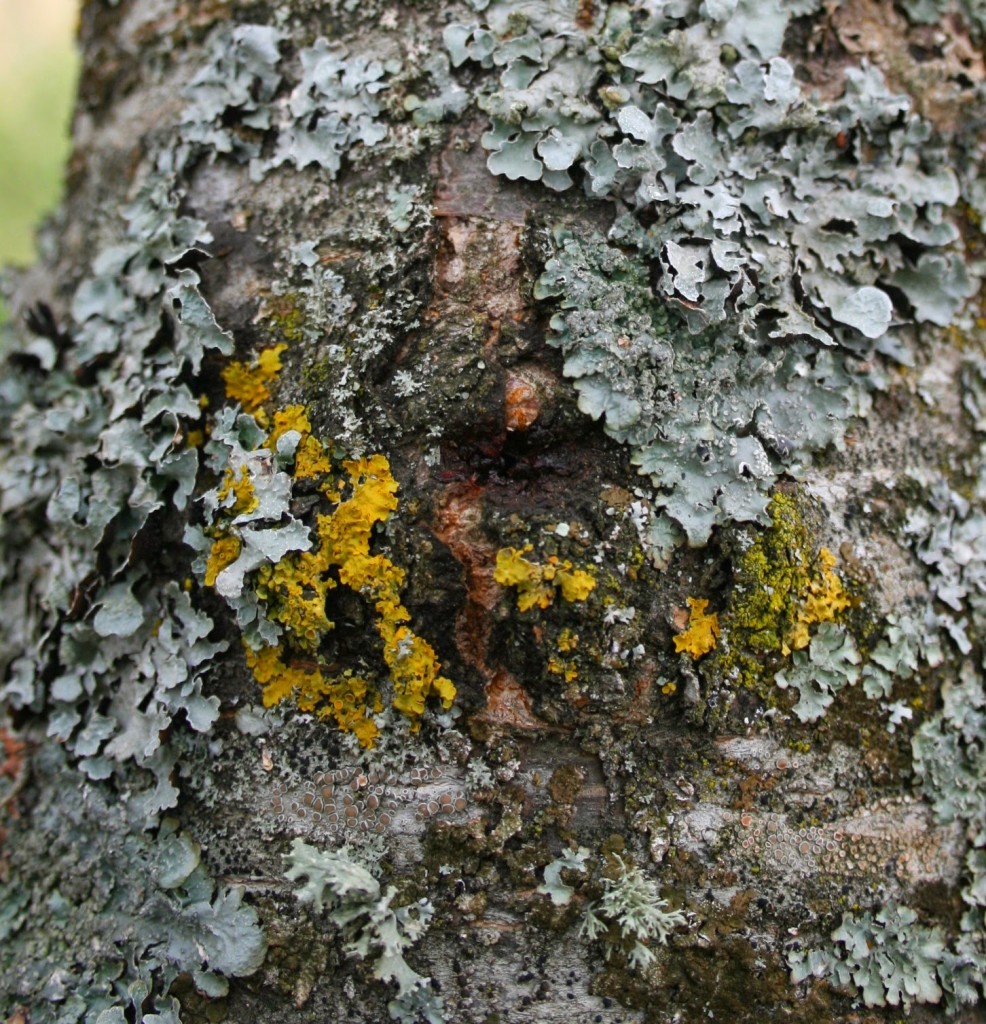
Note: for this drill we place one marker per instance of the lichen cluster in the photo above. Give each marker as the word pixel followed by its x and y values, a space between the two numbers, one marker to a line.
pixel 800 231
pixel 890 955
pixel 537 583
pixel 278 578
pixel 103 428
pixel 372 927
pixel 702 632
pixel 772 251
pixel 783 586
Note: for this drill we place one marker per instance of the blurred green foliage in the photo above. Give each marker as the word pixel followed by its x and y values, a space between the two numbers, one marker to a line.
pixel 38 72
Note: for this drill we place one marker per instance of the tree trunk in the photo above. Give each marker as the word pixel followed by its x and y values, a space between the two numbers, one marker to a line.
pixel 494 519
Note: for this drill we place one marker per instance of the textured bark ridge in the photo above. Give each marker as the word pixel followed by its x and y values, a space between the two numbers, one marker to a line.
pixel 494 523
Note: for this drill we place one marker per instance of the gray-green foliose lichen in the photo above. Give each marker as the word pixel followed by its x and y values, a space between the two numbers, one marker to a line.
pixel 99 418
pixel 372 927
pixel 770 244
pixel 790 236
pixel 890 955
pixel 98 918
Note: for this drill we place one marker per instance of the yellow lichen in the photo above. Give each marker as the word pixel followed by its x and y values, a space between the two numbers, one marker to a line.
pixel 575 584
pixel 345 536
pixel 224 551
pixel 291 417
pixel 294 592
pixel 568 670
pixel 702 632
pixel 783 585
pixel 343 698
pixel 247 383
pixel 241 487
pixel 823 598
pixel 538 583
pixel 311 460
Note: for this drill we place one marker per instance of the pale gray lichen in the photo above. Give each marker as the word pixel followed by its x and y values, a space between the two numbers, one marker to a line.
pixel 887 954
pixel 451 99
pixel 818 674
pixel 632 901
pixel 332 108
pixel 891 958
pixel 233 101
pixel 931 12
pixel 372 928
pixel 802 232
pixel 711 418
pixel 949 537
pixel 101 642
pixel 142 908
pixel 554 887
pixel 95 461
pixel 237 82
pixel 898 653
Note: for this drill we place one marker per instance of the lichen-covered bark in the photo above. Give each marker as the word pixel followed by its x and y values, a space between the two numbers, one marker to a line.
pixel 494 519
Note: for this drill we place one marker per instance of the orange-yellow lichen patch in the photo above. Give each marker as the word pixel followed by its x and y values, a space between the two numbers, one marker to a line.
pixel 247 383
pixel 575 584
pixel 513 570
pixel 823 599
pixel 538 583
pixel 291 417
pixel 311 460
pixel 241 487
pixel 343 698
pixel 702 632
pixel 224 551
pixel 295 590
pixel 568 670
pixel 345 535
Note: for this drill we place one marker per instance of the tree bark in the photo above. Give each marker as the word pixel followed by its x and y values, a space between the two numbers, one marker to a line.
pixel 494 519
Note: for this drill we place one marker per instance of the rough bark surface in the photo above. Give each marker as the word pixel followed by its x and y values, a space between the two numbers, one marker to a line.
pixel 638 806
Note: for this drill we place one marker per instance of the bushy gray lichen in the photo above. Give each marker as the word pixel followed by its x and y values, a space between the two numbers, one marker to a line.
pixel 632 901
pixel 930 12
pixel 331 108
pixel 235 86
pixel 95 436
pixel 948 748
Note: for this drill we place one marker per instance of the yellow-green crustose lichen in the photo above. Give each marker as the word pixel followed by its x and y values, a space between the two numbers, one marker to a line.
pixel 784 585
